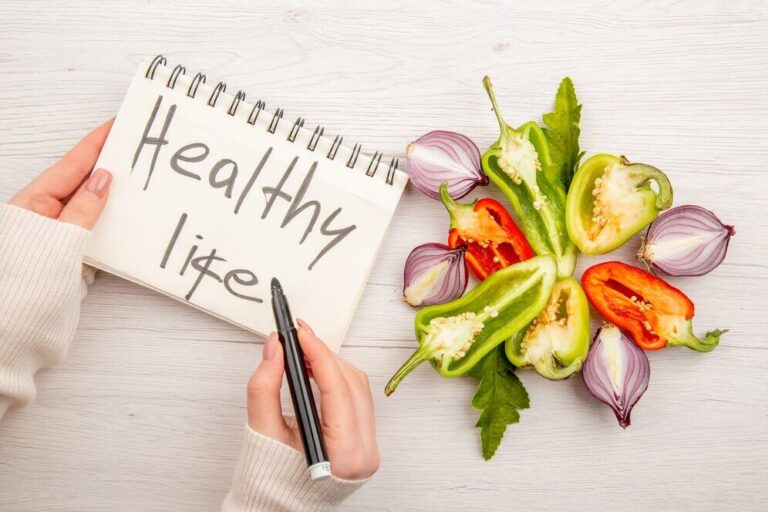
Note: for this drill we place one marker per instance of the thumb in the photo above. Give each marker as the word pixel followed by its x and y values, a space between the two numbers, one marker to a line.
pixel 265 413
pixel 85 206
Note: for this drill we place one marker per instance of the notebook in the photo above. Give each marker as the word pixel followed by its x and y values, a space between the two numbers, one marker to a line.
pixel 213 196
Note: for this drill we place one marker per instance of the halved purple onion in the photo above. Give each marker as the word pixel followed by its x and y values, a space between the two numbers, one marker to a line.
pixel 444 157
pixel 434 273
pixel 616 371
pixel 686 241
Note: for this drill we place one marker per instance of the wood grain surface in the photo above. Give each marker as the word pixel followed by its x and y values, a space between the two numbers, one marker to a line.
pixel 146 413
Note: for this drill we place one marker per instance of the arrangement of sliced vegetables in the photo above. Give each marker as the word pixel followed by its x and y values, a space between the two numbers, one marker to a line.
pixel 528 311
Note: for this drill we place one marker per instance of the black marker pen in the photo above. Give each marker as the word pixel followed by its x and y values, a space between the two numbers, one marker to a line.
pixel 301 392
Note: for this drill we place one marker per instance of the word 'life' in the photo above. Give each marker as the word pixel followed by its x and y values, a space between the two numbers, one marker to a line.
pixel 235 281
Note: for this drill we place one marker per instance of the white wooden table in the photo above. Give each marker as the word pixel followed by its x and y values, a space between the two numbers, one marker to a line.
pixel 146 413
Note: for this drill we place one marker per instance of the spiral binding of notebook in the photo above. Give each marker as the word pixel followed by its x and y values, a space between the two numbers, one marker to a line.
pixel 277 116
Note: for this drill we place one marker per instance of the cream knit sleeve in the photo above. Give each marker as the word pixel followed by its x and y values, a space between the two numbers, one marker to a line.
pixel 273 477
pixel 41 286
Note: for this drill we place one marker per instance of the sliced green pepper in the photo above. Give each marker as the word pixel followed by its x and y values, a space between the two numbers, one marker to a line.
pixel 556 343
pixel 611 199
pixel 514 163
pixel 454 336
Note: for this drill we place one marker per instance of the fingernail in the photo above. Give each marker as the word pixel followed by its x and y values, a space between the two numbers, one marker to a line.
pixel 270 347
pixel 305 325
pixel 98 183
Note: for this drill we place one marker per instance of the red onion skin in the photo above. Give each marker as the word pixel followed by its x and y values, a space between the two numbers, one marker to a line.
pixel 681 218
pixel 428 255
pixel 428 177
pixel 635 380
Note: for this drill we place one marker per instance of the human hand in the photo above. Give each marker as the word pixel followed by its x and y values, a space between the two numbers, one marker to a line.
pixel 346 406
pixel 60 192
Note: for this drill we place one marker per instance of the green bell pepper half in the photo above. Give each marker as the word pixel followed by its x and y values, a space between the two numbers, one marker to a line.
pixel 611 199
pixel 556 343
pixel 454 336
pixel 514 163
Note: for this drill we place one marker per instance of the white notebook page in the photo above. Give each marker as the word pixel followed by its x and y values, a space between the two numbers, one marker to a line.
pixel 207 208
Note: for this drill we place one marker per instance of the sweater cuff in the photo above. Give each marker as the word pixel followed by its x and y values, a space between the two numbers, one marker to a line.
pixel 26 233
pixel 272 476
pixel 42 249
pixel 40 290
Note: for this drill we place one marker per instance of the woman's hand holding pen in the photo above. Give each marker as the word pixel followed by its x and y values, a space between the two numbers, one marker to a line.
pixel 63 192
pixel 346 405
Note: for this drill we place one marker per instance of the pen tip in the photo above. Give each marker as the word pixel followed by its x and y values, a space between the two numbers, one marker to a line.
pixel 275 283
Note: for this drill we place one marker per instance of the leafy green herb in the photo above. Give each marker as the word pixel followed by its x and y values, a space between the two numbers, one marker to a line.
pixel 499 397
pixel 562 132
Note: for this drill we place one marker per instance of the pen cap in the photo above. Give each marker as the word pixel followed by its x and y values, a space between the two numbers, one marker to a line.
pixel 320 471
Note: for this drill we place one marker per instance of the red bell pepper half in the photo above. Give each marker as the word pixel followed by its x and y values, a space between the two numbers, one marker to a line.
pixel 492 238
pixel 653 312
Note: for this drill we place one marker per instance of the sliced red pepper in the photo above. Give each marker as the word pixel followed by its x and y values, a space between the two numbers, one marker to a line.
pixel 493 239
pixel 653 312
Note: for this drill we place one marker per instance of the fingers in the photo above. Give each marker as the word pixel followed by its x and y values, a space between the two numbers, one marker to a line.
pixel 61 180
pixel 347 409
pixel 336 404
pixel 85 207
pixel 265 414
pixel 323 362
pixel 46 193
pixel 41 204
pixel 363 400
pixel 346 405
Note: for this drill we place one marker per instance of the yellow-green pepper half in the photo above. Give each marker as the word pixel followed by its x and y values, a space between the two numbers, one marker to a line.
pixel 611 199
pixel 556 343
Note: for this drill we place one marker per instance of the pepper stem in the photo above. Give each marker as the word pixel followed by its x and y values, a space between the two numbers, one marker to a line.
pixel 418 357
pixel 452 206
pixel 446 198
pixel 707 344
pixel 489 89
pixel 648 172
